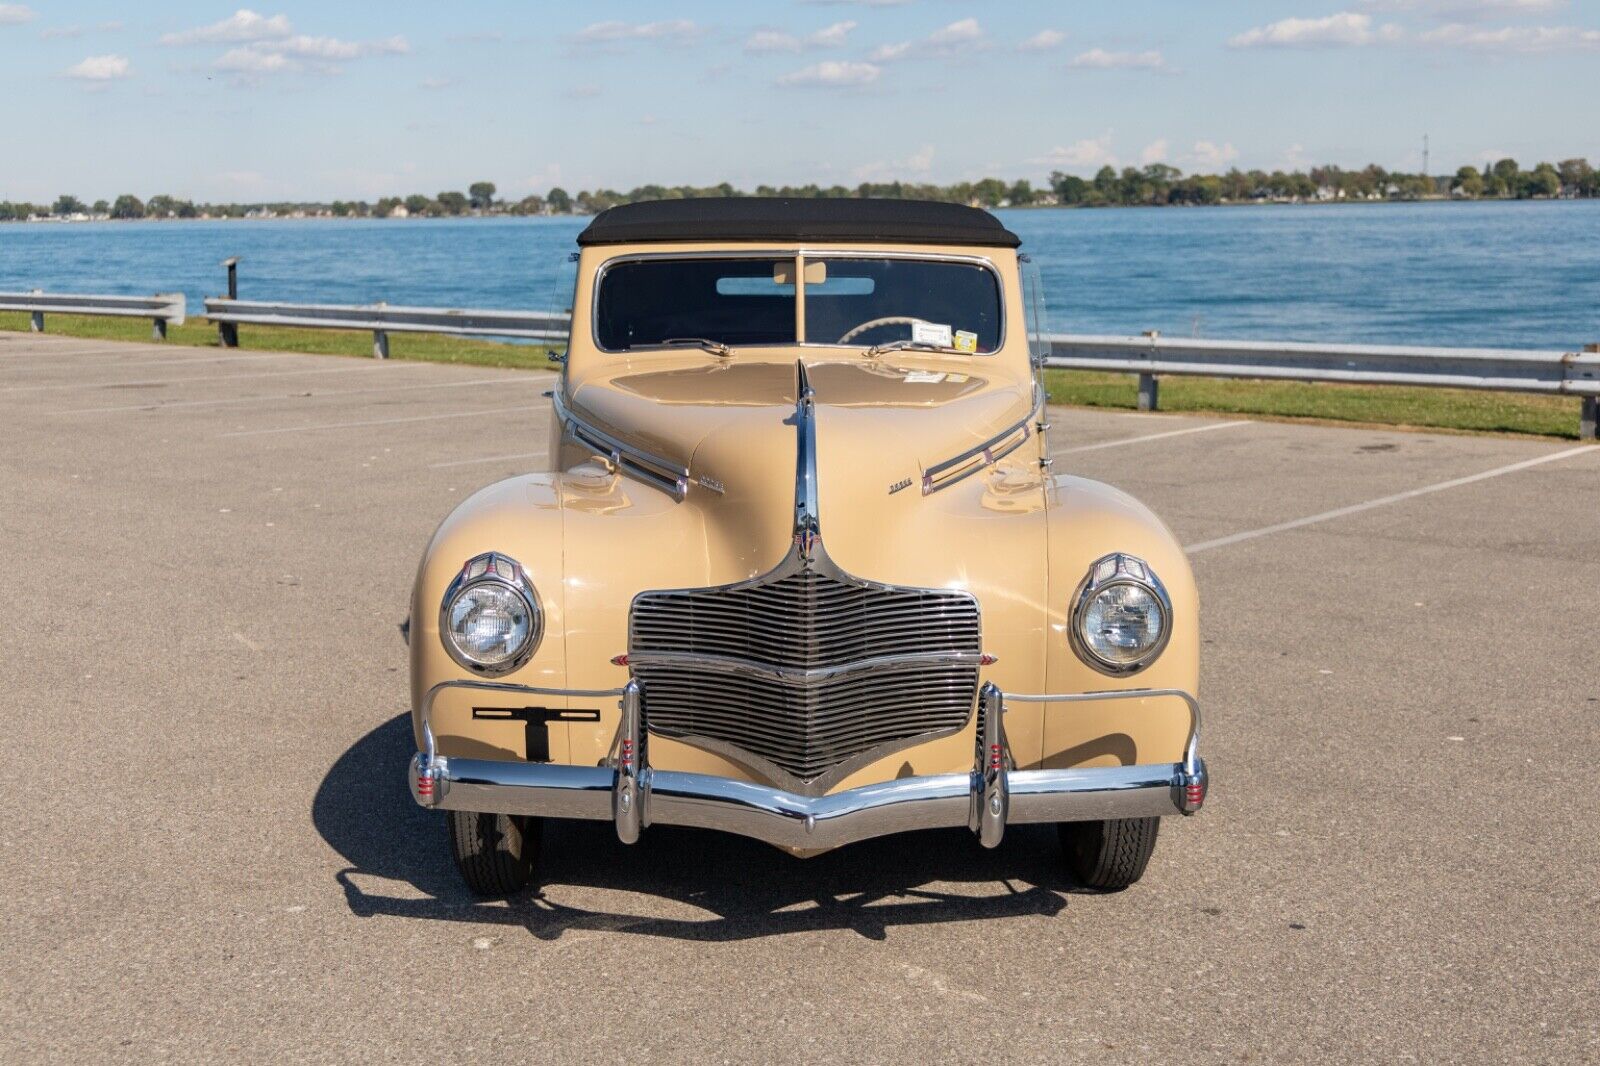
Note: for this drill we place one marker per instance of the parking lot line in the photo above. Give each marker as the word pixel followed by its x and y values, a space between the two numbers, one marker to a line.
pixel 380 421
pixel 489 459
pixel 142 363
pixel 1149 437
pixel 371 367
pixel 303 396
pixel 1384 501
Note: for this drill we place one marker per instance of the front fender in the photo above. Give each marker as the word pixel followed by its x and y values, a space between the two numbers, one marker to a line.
pixel 1088 520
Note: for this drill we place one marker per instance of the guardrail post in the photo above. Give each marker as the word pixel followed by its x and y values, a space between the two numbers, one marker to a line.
pixel 1149 387
pixel 1589 414
pixel 36 322
pixel 380 344
pixel 158 329
pixel 1149 392
pixel 228 332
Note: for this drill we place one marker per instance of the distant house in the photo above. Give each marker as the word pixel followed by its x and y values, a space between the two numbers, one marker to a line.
pixel 1326 193
pixel 399 211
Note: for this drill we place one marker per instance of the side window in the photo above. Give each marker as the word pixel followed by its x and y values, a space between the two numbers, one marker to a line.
pixel 1033 308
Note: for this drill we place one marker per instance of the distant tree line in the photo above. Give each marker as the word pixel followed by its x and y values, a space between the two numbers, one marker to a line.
pixel 1154 185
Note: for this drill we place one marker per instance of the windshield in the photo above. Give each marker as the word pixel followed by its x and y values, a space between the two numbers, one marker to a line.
pixel 863 301
pixel 727 301
pixel 884 301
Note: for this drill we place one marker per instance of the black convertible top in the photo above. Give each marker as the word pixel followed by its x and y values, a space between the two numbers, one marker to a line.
pixel 759 218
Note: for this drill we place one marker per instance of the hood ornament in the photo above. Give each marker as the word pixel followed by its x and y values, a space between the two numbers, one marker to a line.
pixel 807 527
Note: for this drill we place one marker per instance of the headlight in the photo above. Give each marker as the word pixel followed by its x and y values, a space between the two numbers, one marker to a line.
pixel 1121 617
pixel 490 620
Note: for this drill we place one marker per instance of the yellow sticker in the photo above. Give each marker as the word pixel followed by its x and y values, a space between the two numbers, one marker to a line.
pixel 966 342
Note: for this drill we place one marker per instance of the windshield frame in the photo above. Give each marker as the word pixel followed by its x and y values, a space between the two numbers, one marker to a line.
pixel 799 256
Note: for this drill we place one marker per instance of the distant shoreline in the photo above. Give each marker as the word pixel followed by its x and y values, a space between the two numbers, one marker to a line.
pixel 471 216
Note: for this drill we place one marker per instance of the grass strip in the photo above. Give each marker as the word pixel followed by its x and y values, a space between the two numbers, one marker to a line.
pixel 1456 410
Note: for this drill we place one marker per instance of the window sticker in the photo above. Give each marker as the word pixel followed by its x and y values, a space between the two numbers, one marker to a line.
pixel 965 341
pixel 934 333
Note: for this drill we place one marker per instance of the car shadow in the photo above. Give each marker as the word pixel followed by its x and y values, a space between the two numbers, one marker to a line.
pixel 702 885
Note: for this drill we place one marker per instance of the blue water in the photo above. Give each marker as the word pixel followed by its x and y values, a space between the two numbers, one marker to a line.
pixel 1492 274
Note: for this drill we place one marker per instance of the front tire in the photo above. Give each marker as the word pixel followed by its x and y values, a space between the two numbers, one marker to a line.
pixel 496 854
pixel 1111 855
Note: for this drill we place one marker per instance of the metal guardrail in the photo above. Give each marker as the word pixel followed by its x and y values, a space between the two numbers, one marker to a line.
pixel 160 309
pixel 382 320
pixel 1562 373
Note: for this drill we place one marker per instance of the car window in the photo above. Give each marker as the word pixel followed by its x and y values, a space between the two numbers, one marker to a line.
pixel 879 301
pixel 730 301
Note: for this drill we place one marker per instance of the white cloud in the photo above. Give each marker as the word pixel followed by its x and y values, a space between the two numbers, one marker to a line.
pixel 1212 156
pixel 1090 152
pixel 61 33
pixel 961 32
pixel 320 55
pixel 615 31
pixel 1100 59
pixel 1466 9
pixel 16 14
pixel 858 3
pixel 435 84
pixel 963 35
pixel 764 42
pixel 833 74
pixel 1346 29
pixel 918 162
pixel 1154 152
pixel 832 36
pixel 1521 40
pixel 99 69
pixel 1043 41
pixel 242 26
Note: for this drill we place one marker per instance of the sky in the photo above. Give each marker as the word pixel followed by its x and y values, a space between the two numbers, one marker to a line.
pixel 303 101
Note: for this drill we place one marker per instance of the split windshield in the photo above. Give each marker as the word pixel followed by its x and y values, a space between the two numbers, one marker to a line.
pixel 860 301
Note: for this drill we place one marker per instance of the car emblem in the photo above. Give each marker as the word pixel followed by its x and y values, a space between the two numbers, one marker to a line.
pixel 903 483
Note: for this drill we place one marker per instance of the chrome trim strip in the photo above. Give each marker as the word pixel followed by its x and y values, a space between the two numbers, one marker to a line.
pixel 728 664
pixel 940 476
pixel 669 477
pixel 807 521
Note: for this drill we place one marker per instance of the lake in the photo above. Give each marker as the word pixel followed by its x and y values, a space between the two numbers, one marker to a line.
pixel 1523 275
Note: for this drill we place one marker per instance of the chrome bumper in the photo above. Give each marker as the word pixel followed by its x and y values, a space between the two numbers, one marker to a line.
pixel 632 795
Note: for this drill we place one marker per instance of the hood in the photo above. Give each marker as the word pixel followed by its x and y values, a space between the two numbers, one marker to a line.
pixel 931 409
pixel 879 426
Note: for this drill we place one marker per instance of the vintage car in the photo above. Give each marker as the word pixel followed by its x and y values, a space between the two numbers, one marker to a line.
pixel 800 569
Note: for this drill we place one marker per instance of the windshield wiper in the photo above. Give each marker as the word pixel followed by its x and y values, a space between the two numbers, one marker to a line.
pixel 900 346
pixel 704 343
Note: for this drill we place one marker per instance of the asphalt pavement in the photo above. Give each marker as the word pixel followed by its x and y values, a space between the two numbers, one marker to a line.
pixel 211 854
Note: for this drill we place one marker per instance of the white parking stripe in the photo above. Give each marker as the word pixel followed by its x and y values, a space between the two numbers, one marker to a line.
pixel 380 421
pixel 304 396
pixel 1149 436
pixel 117 364
pixel 490 459
pixel 372 367
pixel 1399 497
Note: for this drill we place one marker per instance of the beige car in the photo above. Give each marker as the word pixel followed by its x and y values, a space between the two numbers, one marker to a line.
pixel 802 569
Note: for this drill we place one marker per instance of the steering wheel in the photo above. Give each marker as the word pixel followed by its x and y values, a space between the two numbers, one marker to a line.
pixel 871 324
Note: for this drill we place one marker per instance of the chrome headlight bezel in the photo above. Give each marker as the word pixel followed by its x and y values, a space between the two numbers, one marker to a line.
pixel 502 570
pixel 1106 572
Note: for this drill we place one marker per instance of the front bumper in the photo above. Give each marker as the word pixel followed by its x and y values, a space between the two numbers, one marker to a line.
pixel 632 795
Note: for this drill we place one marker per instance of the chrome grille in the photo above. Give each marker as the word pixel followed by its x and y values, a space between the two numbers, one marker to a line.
pixel 806 669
